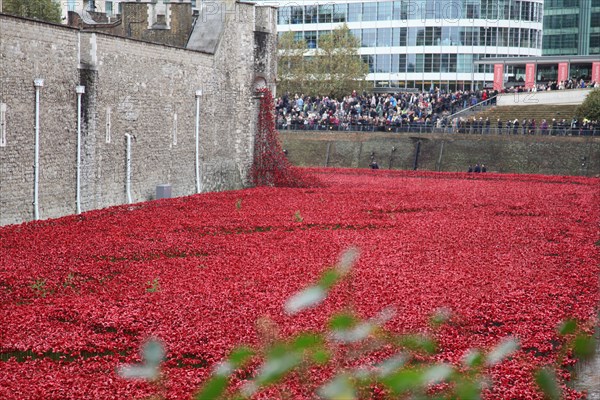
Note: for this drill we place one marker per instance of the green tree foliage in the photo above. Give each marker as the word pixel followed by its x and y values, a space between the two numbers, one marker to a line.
pixel 290 65
pixel 45 10
pixel 590 108
pixel 336 65
pixel 334 69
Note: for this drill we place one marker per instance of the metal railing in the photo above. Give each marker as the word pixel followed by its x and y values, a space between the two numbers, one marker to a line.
pixel 420 128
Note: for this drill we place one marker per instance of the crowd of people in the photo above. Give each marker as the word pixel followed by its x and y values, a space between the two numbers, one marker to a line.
pixel 419 112
pixel 374 112
pixel 561 127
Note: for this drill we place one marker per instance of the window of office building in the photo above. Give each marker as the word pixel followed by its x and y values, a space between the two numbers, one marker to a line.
pixel 412 37
pixel 384 37
pixel 354 12
pixel 325 13
pixel 384 11
pixel 411 61
pixel 284 15
pixel 340 12
pixel 297 14
pixel 311 39
pixel 420 63
pixel 433 36
pixel 399 36
pixel 310 14
pixel 370 11
pixel 369 37
pixel 450 36
pixel 369 60
pixel 464 63
pixel 398 63
pixel 382 63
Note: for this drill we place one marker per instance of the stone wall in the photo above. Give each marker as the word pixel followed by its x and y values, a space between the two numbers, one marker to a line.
pixel 500 153
pixel 140 89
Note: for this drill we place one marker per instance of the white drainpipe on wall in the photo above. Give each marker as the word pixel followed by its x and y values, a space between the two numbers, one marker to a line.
pixel 38 83
pixel 80 91
pixel 128 182
pixel 198 95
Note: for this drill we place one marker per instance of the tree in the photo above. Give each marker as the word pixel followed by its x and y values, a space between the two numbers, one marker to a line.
pixel 45 10
pixel 333 69
pixel 290 65
pixel 590 108
pixel 336 68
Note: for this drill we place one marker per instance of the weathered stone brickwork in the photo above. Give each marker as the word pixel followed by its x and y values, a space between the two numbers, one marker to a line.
pixel 141 89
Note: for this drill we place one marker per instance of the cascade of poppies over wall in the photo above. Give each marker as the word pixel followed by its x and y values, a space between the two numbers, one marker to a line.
pixel 270 166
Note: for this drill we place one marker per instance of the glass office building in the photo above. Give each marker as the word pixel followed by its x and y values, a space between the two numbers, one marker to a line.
pixel 424 43
pixel 571 27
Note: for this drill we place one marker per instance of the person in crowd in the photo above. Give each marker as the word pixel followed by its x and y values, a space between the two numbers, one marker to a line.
pixel 544 127
pixel 470 169
pixel 483 168
pixel 499 127
pixel 374 165
pixel 477 168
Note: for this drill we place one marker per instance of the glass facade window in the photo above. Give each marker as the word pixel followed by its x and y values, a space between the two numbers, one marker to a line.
pixel 399 36
pixel 369 60
pixel 382 63
pixel 369 37
pixel 310 15
pixel 311 39
pixel 450 36
pixel 384 11
pixel 354 12
pixel 340 12
pixel 325 13
pixel 370 11
pixel 384 37
pixel 297 14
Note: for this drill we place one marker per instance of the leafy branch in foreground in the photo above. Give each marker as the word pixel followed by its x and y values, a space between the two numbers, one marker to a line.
pixel 404 366
pixel 344 346
pixel 578 344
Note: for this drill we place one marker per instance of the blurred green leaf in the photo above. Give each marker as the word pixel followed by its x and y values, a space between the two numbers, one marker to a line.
pixel 328 279
pixel 320 357
pixel 441 316
pixel 504 349
pixel 466 389
pixel 240 355
pixel 403 381
pixel 584 346
pixel 546 381
pixel 342 321
pixel 418 343
pixel 392 364
pixel 276 367
pixel 213 388
pixel 340 388
pixel 306 341
pixel 304 299
pixel 472 359
pixel 437 374
pixel 567 327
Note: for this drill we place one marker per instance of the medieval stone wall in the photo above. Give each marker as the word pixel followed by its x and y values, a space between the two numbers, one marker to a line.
pixel 144 90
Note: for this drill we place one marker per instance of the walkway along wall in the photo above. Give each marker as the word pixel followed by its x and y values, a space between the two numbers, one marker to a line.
pixel 450 152
pixel 144 90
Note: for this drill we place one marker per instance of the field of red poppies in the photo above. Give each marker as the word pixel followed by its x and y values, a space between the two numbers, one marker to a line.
pixel 507 254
